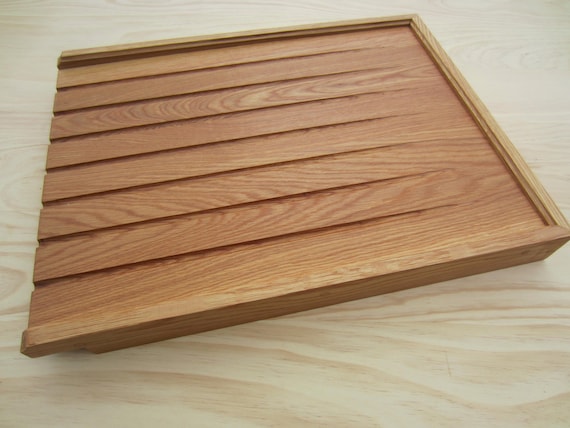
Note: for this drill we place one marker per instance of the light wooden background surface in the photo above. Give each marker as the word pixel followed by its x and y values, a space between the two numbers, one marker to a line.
pixel 489 350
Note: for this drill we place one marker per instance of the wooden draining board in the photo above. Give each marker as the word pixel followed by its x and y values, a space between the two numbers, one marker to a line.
pixel 199 183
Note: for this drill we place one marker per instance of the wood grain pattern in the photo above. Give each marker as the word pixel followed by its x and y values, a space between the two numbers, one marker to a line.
pixel 172 135
pixel 191 323
pixel 327 214
pixel 230 249
pixel 111 53
pixel 241 99
pixel 250 183
pixel 165 85
pixel 227 278
pixel 533 189
pixel 201 59
pixel 207 159
pixel 253 222
pixel 488 350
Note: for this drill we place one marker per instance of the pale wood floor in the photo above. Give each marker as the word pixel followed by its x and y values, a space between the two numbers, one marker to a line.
pixel 490 350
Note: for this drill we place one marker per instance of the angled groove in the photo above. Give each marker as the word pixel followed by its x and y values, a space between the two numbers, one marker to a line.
pixel 145 120
pixel 46 282
pixel 127 142
pixel 196 232
pixel 244 204
pixel 212 68
pixel 63 113
pixel 215 143
pixel 240 169
pixel 163 124
pixel 213 174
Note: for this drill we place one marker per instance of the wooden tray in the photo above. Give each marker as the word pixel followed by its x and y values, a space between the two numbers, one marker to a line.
pixel 200 183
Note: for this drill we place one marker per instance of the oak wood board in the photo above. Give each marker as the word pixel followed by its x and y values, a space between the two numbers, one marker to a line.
pixel 200 183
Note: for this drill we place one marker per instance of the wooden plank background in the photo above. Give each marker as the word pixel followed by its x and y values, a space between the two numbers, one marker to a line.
pixel 486 350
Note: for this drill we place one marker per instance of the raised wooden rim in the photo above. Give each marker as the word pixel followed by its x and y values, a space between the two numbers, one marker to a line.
pixel 502 144
pixel 73 58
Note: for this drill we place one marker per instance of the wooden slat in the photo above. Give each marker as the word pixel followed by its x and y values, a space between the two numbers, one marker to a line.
pixel 246 124
pixel 223 56
pixel 266 182
pixel 198 282
pixel 169 237
pixel 216 158
pixel 161 86
pixel 243 98
pixel 75 57
pixel 507 252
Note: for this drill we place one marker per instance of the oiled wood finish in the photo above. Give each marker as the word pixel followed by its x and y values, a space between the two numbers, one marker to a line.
pixel 173 84
pixel 206 183
pixel 239 99
pixel 202 231
pixel 204 58
pixel 283 147
pixel 187 195
pixel 231 126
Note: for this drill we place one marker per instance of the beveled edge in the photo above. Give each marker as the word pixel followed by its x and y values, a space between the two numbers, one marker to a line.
pixel 505 149
pixel 72 58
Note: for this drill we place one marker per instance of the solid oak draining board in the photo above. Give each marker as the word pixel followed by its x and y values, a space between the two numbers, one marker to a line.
pixel 199 183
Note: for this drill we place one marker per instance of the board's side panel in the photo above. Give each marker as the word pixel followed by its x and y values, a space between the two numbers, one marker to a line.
pixel 534 190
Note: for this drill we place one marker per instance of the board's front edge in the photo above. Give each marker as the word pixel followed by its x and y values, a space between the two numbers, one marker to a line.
pixel 45 340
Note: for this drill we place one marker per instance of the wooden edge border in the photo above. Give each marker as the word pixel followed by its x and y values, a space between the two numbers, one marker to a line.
pixel 501 143
pixel 59 337
pixel 72 58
